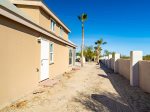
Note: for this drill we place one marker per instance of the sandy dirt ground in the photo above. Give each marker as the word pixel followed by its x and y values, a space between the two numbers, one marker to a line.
pixel 90 89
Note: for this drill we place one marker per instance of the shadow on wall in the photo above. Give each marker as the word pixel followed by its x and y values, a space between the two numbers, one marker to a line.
pixel 136 98
pixel 102 102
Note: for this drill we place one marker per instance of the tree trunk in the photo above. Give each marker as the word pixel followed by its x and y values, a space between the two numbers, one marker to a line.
pixel 82 46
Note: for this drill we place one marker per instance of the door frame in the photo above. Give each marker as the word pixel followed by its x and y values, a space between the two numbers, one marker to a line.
pixel 40 79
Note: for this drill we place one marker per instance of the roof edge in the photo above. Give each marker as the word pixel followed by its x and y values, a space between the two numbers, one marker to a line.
pixel 19 19
pixel 43 6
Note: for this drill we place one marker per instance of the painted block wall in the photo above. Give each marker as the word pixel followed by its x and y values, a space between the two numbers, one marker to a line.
pixel 124 68
pixel 144 75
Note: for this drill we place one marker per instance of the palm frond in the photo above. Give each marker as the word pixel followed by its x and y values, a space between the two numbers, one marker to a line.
pixel 82 17
pixel 79 17
pixel 104 43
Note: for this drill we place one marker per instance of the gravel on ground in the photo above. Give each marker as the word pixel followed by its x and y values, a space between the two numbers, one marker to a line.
pixel 92 88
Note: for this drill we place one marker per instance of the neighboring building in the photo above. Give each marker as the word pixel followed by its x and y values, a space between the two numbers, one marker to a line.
pixel 34 46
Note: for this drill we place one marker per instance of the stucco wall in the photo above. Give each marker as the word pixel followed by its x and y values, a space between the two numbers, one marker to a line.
pixel 124 67
pixel 57 31
pixel 31 11
pixel 144 75
pixel 42 18
pixel 19 60
pixel 61 60
pixel 20 57
pixel 65 35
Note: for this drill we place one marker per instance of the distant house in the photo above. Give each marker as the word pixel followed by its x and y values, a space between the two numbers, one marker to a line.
pixel 34 46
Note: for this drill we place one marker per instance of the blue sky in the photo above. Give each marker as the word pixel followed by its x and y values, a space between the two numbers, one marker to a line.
pixel 124 24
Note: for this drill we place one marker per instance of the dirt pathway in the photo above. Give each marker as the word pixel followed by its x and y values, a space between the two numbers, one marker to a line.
pixel 86 90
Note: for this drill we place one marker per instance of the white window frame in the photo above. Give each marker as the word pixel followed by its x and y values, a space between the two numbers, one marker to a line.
pixel 51 52
pixel 53 24
pixel 61 32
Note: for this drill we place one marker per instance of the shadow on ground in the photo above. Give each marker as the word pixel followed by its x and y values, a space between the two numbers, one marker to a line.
pixel 102 75
pixel 134 96
pixel 134 99
pixel 104 102
pixel 111 104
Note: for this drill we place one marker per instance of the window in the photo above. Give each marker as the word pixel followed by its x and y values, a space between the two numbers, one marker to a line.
pixel 51 53
pixel 70 56
pixel 53 25
pixel 61 32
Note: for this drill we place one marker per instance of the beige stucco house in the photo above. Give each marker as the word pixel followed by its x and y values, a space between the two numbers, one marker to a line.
pixel 34 46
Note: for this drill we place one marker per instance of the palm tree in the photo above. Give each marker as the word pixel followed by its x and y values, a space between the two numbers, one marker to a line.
pixel 83 17
pixel 88 53
pixel 106 52
pixel 98 48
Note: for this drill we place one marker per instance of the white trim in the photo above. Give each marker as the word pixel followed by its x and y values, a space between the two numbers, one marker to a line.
pixel 53 28
pixel 32 25
pixel 40 4
pixel 51 43
pixel 46 76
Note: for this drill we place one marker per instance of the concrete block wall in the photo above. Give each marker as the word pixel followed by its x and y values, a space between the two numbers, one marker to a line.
pixel 112 63
pixel 124 68
pixel 134 69
pixel 144 75
pixel 135 57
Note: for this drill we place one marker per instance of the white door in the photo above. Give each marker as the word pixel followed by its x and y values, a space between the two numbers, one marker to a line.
pixel 44 59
